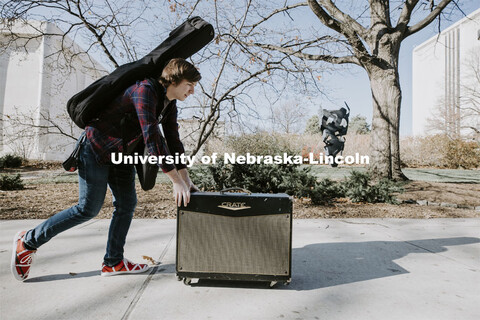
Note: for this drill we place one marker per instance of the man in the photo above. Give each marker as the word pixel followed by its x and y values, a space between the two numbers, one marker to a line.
pixel 146 101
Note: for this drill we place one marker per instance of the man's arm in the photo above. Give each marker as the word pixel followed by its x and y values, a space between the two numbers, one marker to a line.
pixel 172 136
pixel 144 99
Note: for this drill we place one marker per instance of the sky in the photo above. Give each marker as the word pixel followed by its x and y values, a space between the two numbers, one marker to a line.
pixel 352 84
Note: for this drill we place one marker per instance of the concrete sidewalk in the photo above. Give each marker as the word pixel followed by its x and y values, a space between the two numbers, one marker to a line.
pixel 342 269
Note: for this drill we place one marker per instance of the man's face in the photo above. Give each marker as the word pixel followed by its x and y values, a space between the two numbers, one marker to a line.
pixel 181 90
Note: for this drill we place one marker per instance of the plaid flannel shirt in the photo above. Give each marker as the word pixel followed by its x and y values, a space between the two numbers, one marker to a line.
pixel 145 99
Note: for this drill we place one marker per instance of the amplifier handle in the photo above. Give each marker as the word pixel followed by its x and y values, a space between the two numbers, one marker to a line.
pixel 237 189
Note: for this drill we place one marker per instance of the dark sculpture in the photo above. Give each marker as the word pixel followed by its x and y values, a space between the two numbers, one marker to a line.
pixel 334 125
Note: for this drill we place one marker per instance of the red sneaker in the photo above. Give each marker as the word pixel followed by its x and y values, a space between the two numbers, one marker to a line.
pixel 22 258
pixel 125 266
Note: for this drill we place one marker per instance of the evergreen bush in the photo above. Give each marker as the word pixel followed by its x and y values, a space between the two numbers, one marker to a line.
pixel 295 181
pixel 262 178
pixel 360 188
pixel 325 191
pixel 10 161
pixel 11 182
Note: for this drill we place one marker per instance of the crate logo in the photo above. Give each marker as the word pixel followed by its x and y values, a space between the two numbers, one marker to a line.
pixel 234 206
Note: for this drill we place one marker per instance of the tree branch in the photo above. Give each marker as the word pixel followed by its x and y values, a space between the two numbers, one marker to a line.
pixel 95 34
pixel 341 23
pixel 298 54
pixel 347 22
pixel 301 4
pixel 428 19
pixel 406 13
pixel 324 17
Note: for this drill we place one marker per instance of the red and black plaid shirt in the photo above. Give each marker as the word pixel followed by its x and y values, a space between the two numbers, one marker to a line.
pixel 145 99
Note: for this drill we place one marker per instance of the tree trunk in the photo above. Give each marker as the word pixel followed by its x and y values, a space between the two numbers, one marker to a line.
pixel 385 145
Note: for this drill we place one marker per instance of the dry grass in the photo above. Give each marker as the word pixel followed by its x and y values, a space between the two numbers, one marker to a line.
pixel 423 151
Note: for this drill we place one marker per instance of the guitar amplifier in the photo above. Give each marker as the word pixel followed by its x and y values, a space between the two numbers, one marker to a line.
pixel 235 236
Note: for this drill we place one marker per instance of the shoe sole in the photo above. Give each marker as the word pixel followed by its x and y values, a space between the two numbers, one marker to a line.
pixel 109 274
pixel 13 262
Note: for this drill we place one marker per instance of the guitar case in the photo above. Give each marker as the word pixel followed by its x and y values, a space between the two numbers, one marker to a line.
pixel 182 42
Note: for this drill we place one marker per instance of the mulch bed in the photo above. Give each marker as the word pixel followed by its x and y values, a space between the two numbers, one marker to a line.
pixel 40 201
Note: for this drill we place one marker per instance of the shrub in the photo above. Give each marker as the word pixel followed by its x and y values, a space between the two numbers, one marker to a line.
pixel 295 181
pixel 423 151
pixel 262 143
pixel 440 151
pixel 462 154
pixel 360 188
pixel 10 161
pixel 262 178
pixel 298 182
pixel 203 177
pixel 254 177
pixel 325 191
pixel 11 182
pixel 257 177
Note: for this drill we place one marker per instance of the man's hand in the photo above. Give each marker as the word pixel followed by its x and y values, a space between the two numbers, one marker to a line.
pixel 193 188
pixel 181 192
pixel 186 178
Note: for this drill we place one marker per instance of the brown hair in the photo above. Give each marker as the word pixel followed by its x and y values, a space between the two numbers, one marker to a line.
pixel 178 69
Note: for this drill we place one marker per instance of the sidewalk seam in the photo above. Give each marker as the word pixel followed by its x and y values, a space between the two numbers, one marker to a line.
pixel 441 255
pixel 425 249
pixel 140 291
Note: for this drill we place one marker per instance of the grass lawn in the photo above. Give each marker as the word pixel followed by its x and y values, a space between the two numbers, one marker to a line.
pixel 422 174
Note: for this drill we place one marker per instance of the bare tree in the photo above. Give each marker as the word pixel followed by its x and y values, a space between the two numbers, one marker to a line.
pixel 288 117
pixel 459 116
pixel 23 127
pixel 235 76
pixel 105 26
pixel 369 37
pixel 470 96
pixel 243 79
pixel 443 120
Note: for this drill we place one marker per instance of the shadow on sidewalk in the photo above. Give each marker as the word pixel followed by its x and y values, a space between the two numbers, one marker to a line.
pixel 64 276
pixel 324 265
pixel 331 264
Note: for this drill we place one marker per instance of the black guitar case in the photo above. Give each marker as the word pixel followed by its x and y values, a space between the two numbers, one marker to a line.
pixel 182 42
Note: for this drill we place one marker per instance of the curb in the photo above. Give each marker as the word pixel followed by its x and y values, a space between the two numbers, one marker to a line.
pixel 440 204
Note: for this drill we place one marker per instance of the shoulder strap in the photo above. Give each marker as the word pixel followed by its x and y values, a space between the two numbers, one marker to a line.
pixel 161 93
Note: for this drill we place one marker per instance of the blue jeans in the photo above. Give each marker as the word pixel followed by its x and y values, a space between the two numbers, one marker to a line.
pixel 92 184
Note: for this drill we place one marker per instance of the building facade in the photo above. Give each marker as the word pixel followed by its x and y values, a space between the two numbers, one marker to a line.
pixel 446 82
pixel 39 72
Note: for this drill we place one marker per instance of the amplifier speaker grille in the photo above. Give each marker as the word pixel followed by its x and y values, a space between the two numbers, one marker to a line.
pixel 238 245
